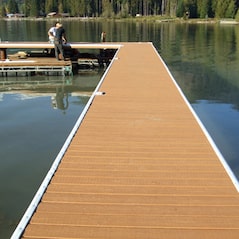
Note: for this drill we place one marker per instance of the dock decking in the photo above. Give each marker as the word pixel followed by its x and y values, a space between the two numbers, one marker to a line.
pixel 35 65
pixel 139 166
pixel 13 65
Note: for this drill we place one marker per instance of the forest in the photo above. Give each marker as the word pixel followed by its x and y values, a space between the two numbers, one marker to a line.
pixel 123 8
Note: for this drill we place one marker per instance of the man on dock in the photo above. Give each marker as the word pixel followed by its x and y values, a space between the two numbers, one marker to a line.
pixel 60 38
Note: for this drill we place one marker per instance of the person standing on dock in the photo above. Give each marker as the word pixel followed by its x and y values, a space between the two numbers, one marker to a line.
pixel 103 36
pixel 52 33
pixel 59 39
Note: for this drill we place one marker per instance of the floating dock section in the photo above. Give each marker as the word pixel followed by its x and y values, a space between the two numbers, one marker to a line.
pixel 33 66
pixel 138 164
pixel 20 62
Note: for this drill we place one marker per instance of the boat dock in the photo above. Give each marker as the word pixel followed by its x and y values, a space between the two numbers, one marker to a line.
pixel 138 164
pixel 40 60
pixel 15 67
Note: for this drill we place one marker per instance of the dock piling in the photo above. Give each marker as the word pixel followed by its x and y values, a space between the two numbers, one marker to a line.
pixel 3 54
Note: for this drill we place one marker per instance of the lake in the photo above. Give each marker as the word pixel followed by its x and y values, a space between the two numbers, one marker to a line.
pixel 38 112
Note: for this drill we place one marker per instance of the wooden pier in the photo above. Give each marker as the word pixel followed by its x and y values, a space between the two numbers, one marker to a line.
pixel 15 67
pixel 22 63
pixel 138 164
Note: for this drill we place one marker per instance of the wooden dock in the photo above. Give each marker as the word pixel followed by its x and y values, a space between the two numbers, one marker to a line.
pixel 138 164
pixel 15 67
pixel 21 63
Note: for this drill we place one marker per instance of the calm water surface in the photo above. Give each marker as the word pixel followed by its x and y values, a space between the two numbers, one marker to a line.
pixel 37 114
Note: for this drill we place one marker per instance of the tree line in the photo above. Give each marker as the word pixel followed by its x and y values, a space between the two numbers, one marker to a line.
pixel 124 8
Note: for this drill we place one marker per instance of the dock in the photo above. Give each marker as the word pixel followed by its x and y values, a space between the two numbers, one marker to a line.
pixel 30 66
pixel 138 164
pixel 23 63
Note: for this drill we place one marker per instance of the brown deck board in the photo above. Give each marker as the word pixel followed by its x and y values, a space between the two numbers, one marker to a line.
pixel 139 165
pixel 34 61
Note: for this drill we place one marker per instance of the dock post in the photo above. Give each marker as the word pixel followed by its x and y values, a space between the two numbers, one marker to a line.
pixel 3 53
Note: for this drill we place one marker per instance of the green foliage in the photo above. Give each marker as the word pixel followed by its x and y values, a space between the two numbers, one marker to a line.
pixel 107 9
pixel 180 8
pixel 12 6
pixel 2 11
pixel 203 8
pixel 33 10
pixel 230 12
pixel 51 6
pixel 225 8
pixel 125 8
pixel 237 16
pixel 75 8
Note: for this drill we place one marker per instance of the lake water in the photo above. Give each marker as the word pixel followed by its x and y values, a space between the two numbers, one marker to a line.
pixel 37 113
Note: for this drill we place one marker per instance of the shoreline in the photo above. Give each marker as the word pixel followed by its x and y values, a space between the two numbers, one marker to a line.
pixel 156 19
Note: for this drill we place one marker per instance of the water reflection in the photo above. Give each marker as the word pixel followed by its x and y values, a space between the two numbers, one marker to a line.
pixel 60 100
pixel 201 82
pixel 225 131
pixel 37 114
pixel 58 87
pixel 204 64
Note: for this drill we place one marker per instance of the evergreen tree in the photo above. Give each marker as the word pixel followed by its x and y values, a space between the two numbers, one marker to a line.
pixel 180 8
pixel 132 7
pixel 51 6
pixel 203 7
pixel 93 8
pixel 41 5
pixel 60 6
pixel 173 8
pixel 74 10
pixel 124 8
pixel 2 9
pixel 26 7
pixel 221 8
pixel 12 6
pixel 163 7
pixel 107 10
pixel 82 9
pixel 33 11
pixel 231 9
